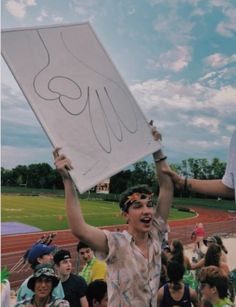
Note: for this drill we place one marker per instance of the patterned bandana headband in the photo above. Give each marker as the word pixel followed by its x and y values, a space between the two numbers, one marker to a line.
pixel 136 197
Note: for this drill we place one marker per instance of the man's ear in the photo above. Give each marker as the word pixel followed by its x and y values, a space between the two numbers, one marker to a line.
pixel 126 216
pixel 40 260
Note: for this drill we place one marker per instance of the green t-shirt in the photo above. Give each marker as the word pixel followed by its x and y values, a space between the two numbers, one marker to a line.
pixel 226 302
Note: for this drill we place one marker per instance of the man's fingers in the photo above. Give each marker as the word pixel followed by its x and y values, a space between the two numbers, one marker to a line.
pixel 56 152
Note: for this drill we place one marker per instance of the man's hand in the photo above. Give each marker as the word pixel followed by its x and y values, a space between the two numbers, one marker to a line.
pixel 62 163
pixel 156 134
pixel 177 179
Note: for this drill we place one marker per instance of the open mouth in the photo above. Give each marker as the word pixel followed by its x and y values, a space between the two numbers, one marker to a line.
pixel 146 220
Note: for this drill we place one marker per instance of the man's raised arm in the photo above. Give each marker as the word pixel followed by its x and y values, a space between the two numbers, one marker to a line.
pixel 90 235
pixel 165 197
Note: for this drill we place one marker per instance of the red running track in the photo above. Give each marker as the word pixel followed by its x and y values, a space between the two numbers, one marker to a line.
pixel 14 246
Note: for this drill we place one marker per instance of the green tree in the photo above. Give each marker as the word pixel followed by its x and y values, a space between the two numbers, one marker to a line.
pixel 119 182
pixel 143 173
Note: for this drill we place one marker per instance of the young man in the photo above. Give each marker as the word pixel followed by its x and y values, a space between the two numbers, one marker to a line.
pixel 39 254
pixel 42 283
pixel 225 187
pixel 93 268
pixel 74 286
pixel 133 257
pixel 97 294
pixel 214 286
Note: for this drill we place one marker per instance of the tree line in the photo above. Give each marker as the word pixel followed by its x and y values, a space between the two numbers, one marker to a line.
pixel 42 175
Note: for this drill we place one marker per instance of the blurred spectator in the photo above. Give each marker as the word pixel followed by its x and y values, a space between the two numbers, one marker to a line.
pixel 42 283
pixel 175 292
pixel 74 286
pixel 212 257
pixel 214 286
pixel 93 268
pixel 97 294
pixel 224 250
pixel 199 236
pixel 39 254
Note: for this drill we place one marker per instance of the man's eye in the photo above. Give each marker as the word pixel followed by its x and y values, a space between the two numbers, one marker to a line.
pixel 150 204
pixel 136 205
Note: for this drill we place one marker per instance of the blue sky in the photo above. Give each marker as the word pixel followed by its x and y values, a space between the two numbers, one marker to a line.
pixel 178 58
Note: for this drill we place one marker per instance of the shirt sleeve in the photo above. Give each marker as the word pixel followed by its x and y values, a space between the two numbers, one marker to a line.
pixel 114 241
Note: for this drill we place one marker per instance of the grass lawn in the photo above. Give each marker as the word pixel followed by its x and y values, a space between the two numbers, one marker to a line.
pixel 48 213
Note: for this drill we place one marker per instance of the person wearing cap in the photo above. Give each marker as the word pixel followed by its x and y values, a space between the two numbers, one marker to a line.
pixel 42 283
pixel 93 268
pixel 225 187
pixel 74 286
pixel 133 257
pixel 39 254
pixel 207 241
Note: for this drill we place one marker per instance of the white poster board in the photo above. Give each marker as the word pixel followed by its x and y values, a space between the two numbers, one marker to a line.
pixel 79 98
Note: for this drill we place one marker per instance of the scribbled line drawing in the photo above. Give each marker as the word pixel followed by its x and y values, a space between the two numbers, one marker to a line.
pixel 83 100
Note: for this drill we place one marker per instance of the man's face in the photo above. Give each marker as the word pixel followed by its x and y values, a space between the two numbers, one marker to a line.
pixel 47 258
pixel 85 255
pixel 43 287
pixel 64 267
pixel 140 214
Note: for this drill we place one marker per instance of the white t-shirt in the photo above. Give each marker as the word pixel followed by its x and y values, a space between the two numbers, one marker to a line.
pixel 229 178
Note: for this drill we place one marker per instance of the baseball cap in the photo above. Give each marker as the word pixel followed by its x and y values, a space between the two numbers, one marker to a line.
pixel 61 255
pixel 38 250
pixel 43 270
pixel 209 240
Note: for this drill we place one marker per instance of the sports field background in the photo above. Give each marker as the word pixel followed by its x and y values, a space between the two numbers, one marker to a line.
pixel 48 212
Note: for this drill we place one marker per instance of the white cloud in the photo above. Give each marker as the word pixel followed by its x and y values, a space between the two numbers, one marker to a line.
pixel 228 28
pixel 174 28
pixel 195 104
pixel 218 60
pixel 211 124
pixel 17 8
pixel 131 11
pixel 174 60
pixel 57 19
pixel 42 16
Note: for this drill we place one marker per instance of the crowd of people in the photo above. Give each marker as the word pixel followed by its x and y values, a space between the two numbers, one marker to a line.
pixel 133 267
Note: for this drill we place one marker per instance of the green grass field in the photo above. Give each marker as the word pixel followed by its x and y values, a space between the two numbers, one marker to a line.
pixel 48 213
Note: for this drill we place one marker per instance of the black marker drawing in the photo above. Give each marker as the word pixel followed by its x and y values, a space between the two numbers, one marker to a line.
pixel 85 97
pixel 79 98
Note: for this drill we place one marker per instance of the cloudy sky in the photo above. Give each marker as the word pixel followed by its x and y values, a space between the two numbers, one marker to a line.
pixel 178 58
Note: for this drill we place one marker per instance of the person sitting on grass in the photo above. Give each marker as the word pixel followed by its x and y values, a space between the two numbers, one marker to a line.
pixel 133 257
pixel 42 283
pixel 97 294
